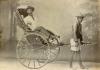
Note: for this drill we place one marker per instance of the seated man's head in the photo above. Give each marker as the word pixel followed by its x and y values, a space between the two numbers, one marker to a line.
pixel 30 9
pixel 80 18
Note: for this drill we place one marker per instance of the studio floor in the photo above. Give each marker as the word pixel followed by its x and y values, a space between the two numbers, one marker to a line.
pixel 13 64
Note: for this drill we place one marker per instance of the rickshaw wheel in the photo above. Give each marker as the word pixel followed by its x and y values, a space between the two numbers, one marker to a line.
pixel 53 50
pixel 33 51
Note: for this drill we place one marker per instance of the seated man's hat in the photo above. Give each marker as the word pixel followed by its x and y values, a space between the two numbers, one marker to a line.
pixel 30 7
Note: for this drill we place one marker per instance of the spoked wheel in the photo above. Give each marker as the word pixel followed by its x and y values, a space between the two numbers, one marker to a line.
pixel 33 53
pixel 53 50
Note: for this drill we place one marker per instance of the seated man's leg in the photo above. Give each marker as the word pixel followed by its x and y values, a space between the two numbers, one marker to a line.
pixel 40 28
pixel 42 31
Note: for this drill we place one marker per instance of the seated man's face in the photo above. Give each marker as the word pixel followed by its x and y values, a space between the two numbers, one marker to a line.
pixel 29 11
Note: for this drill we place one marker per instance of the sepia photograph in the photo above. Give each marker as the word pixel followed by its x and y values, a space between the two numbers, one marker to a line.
pixel 49 35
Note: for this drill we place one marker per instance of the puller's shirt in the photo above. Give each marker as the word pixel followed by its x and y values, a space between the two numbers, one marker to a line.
pixel 77 31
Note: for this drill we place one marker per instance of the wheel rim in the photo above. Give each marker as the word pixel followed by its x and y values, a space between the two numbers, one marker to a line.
pixel 53 50
pixel 27 55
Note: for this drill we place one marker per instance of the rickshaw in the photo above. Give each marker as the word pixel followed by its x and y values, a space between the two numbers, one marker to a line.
pixel 37 48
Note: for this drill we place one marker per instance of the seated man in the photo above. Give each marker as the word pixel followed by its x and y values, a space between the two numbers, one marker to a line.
pixel 30 21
